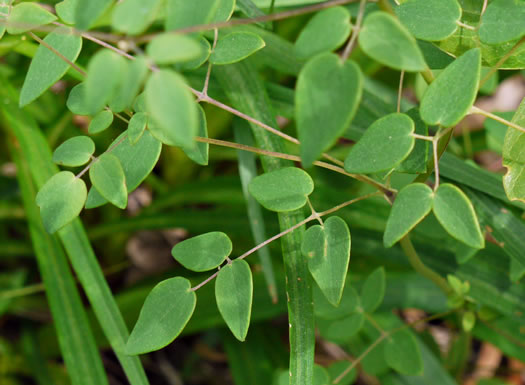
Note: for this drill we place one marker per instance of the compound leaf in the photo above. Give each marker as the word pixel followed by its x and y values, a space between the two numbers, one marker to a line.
pixel 108 177
pixel 373 290
pixel 235 47
pixel 74 152
pixel 166 311
pixel 203 252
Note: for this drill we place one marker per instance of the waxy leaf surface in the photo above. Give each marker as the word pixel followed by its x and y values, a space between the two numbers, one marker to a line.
pixel 502 21
pixel 203 252
pixel 235 47
pixel 74 152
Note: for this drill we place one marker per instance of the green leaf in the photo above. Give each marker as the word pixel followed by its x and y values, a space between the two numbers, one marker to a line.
pixel 76 101
pixel 224 10
pixel 27 16
pixel 61 200
pixel 166 311
pixel 412 204
pixel 88 12
pixel 402 353
pixel 199 153
pixel 373 290
pixel 108 177
pixel 285 189
pixel 74 152
pixel 133 75
pixel 335 369
pixel 169 48
pixel 134 16
pixel 514 158
pixel 386 40
pixel 454 211
pixel 100 122
pixel 234 292
pixel 235 47
pixel 204 252
pixel 137 160
pixel 502 22
pixel 327 248
pixel 104 73
pixel 136 127
pixel 205 51
pixel 183 13
pixel 326 31
pixel 66 10
pixel 172 109
pixel 349 304
pixel 5 8
pixel 47 68
pixel 327 94
pixel 341 330
pixel 430 20
pixel 321 376
pixel 451 95
pixel 416 162
pixel 384 145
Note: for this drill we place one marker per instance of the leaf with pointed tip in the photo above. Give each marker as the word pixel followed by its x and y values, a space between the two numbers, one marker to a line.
pixel 184 13
pixel 328 251
pixel 454 211
pixel 137 125
pixel 430 20
pixel 27 16
pixel 514 158
pixel 349 304
pixel 76 102
pixel 236 46
pixel 134 16
pixel 199 154
pixel 451 95
pixel 60 200
pixel 108 177
pixel 384 145
pixel 203 252
pixel 74 152
pixel 133 75
pixel 373 290
pixel 327 94
pixel 234 294
pixel 88 12
pixel 386 40
pixel 412 204
pixel 104 73
pixel 402 353
pixel 169 48
pixel 100 122
pixel 174 117
pixel 326 31
pixel 137 160
pixel 502 22
pixel 285 189
pixel 47 68
pixel 166 311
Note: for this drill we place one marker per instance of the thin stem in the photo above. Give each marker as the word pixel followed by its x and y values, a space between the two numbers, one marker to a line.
pixel 314 213
pixel 350 46
pixel 484 8
pixel 400 91
pixel 423 137
pixel 95 158
pixel 208 72
pixel 466 26
pixel 476 110
pixel 501 61
pixel 436 162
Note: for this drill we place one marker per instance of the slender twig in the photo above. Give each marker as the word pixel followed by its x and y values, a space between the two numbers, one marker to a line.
pixel 210 65
pixel 501 61
pixel 350 46
pixel 314 213
pixel 484 8
pixel 423 137
pixel 477 110
pixel 400 90
pixel 466 26
pixel 436 163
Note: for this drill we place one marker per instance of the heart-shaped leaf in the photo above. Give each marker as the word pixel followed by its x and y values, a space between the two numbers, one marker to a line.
pixel 236 46
pixel 137 125
pixel 27 16
pixel 373 290
pixel 430 20
pixel 402 353
pixel 60 200
pixel 165 313
pixel 100 122
pixel 169 48
pixel 454 211
pixel 136 159
pixel 234 294
pixel 184 13
pixel 349 304
pixel 326 31
pixel 328 251
pixel 385 144
pixel 514 158
pixel 203 252
pixel 108 177
pixel 502 22
pixel 47 68
pixel 172 109
pixel 416 162
pixel 285 189
pixel 199 153
pixel 327 94
pixel 451 95
pixel 386 40
pixel 134 16
pixel 74 152
pixel 412 204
